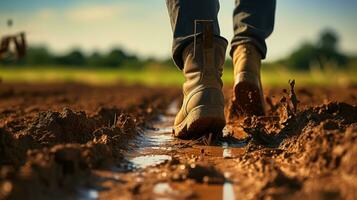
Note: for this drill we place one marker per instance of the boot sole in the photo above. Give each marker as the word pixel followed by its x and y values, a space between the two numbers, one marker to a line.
pixel 200 121
pixel 248 98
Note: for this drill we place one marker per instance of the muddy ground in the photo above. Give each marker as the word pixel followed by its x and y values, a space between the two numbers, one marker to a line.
pixel 71 141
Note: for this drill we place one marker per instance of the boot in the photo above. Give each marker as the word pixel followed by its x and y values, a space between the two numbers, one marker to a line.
pixel 248 92
pixel 202 110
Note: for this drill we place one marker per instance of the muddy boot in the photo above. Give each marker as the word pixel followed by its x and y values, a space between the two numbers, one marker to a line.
pixel 248 92
pixel 202 110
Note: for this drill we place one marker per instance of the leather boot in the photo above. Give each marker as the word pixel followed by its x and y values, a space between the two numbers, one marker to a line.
pixel 202 110
pixel 248 92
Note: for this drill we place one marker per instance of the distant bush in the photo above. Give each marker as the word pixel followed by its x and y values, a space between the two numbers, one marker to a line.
pixel 38 55
pixel 73 58
pixel 324 52
pixel 41 56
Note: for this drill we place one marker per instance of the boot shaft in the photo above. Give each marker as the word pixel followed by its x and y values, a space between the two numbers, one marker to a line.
pixel 203 65
pixel 246 58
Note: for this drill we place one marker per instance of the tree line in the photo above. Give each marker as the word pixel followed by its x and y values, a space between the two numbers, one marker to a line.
pixel 325 51
pixel 42 56
pixel 319 54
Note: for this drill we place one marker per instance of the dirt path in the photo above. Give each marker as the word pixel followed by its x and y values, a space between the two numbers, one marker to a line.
pixel 81 142
pixel 162 164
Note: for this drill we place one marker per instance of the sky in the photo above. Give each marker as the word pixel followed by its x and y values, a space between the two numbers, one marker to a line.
pixel 143 27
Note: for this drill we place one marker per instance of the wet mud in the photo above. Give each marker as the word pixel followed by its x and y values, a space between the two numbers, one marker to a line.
pixel 49 146
pixel 70 141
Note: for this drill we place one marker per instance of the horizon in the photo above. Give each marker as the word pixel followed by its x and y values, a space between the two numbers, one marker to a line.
pixel 99 26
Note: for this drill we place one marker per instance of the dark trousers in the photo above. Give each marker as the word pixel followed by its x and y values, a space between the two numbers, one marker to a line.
pixel 253 22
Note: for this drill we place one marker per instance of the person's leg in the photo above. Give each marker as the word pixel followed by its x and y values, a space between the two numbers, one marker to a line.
pixel 183 14
pixel 201 61
pixel 253 22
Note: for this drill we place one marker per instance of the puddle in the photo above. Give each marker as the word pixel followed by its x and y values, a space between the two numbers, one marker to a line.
pixel 149 160
pixel 88 194
pixel 172 109
pixel 160 139
pixel 160 135
pixel 162 148
pixel 162 131
pixel 163 189
pixel 227 153
pixel 228 192
pixel 156 138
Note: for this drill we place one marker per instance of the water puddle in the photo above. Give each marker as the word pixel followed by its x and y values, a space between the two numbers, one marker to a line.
pixel 228 192
pixel 156 138
pixel 172 109
pixel 164 191
pixel 227 152
pixel 160 136
pixel 88 194
pixel 149 160
pixel 161 133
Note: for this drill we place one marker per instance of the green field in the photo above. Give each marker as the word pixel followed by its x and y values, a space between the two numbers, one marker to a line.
pixel 167 76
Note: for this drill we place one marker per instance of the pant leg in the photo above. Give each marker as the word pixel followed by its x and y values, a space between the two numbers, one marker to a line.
pixel 183 14
pixel 253 22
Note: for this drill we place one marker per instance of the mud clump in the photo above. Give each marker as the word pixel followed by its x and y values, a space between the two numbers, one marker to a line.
pixel 56 170
pixel 76 127
pixel 309 145
pixel 59 149
pixel 200 172
pixel 58 128
pixel 12 149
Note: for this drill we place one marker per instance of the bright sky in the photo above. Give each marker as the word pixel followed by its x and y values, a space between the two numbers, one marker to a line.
pixel 142 26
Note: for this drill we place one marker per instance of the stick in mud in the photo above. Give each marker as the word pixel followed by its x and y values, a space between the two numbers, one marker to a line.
pixel 293 97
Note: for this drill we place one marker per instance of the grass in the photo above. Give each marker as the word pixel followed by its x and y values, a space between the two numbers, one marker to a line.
pixel 167 76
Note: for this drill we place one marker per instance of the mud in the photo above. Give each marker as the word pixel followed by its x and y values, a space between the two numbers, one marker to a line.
pixel 300 152
pixel 49 146
pixel 70 141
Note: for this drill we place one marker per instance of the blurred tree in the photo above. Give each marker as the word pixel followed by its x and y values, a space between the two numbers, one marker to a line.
pixel 73 58
pixel 328 40
pixel 328 49
pixel 324 52
pixel 115 58
pixel 303 57
pixel 119 58
pixel 95 59
pixel 38 55
pixel 9 23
